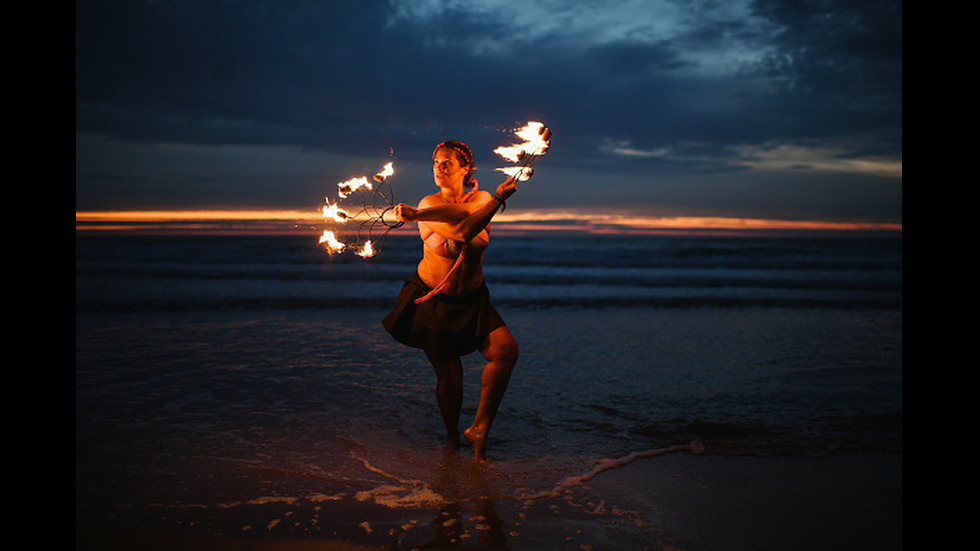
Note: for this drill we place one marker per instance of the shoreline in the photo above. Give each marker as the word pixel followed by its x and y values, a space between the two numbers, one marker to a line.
pixel 675 501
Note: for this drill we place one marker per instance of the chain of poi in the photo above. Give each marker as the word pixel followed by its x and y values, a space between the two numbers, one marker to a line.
pixel 369 218
pixel 459 258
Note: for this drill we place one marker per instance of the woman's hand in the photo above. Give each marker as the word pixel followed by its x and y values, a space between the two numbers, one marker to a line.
pixel 507 188
pixel 405 213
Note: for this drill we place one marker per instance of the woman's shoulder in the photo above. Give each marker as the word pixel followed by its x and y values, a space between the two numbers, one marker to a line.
pixel 430 200
pixel 478 198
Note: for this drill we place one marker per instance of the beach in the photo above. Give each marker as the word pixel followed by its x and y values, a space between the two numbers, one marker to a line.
pixel 849 500
pixel 672 393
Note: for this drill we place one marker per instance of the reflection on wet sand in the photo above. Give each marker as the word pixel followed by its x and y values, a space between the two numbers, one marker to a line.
pixel 461 482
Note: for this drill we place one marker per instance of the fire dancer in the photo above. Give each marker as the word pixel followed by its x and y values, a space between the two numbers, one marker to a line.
pixel 445 308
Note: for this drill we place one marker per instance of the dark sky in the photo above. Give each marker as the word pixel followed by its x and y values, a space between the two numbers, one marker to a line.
pixel 771 108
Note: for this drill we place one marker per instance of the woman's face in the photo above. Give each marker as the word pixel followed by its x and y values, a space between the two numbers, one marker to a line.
pixel 447 169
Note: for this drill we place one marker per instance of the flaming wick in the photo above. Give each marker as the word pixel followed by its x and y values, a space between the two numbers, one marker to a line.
pixel 367 251
pixel 332 243
pixel 382 176
pixel 537 141
pixel 335 213
pixel 352 185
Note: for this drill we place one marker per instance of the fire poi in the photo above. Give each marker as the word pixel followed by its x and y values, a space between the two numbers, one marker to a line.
pixel 537 140
pixel 376 201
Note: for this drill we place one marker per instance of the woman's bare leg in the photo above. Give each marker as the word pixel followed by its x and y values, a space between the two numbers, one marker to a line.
pixel 449 393
pixel 500 351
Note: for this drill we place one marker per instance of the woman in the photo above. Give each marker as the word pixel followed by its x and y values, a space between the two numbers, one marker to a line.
pixel 445 308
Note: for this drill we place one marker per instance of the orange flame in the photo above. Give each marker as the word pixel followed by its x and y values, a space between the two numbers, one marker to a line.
pixel 367 251
pixel 332 243
pixel 335 213
pixel 535 142
pixel 520 173
pixel 388 170
pixel 352 185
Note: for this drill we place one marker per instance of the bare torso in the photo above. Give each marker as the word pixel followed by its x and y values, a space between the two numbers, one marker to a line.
pixel 440 253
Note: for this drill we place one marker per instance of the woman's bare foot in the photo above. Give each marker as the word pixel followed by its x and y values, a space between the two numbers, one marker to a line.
pixel 478 438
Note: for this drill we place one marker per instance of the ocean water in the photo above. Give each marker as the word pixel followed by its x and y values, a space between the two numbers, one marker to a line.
pixel 219 376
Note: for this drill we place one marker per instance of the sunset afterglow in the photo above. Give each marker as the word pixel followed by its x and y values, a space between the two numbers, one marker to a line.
pixel 312 222
pixel 199 221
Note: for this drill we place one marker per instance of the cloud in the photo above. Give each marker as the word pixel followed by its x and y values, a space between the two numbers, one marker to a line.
pixel 634 89
pixel 788 157
pixel 711 41
pixel 766 157
pixel 624 147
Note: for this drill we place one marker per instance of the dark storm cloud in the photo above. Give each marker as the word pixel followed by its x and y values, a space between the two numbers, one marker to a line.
pixel 634 89
pixel 219 72
pixel 841 58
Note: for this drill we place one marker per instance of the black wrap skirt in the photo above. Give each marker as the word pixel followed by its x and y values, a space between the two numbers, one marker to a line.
pixel 451 326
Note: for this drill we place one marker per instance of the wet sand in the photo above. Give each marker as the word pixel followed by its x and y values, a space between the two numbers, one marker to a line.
pixel 849 500
pixel 677 501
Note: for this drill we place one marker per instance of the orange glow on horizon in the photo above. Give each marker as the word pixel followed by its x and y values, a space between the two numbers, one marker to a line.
pixel 184 215
pixel 228 221
pixel 311 221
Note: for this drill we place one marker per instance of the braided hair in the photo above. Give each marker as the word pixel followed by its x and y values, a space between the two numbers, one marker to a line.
pixel 464 152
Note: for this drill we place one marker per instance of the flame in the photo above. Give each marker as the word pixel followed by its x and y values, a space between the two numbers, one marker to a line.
pixel 521 173
pixel 335 213
pixel 367 251
pixel 332 243
pixel 511 153
pixel 531 131
pixel 388 170
pixel 535 137
pixel 352 185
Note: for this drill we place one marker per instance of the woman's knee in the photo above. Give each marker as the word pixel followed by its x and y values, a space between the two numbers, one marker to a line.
pixel 502 347
pixel 512 351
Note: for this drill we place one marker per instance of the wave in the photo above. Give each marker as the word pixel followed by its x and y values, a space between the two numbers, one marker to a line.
pixel 83 306
pixel 127 273
pixel 561 276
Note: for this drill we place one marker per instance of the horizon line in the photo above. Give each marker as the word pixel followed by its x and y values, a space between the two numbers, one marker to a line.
pixel 259 221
